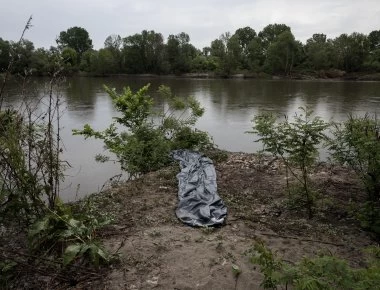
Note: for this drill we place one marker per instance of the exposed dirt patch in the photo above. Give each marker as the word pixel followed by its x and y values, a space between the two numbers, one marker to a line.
pixel 158 252
pixel 161 253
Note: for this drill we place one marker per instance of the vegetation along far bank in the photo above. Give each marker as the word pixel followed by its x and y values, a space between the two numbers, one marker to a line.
pixel 272 51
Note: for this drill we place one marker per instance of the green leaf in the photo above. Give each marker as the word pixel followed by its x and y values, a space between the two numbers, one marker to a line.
pixel 67 233
pixel 39 226
pixel 74 223
pixel 71 253
pixel 236 270
pixel 7 265
pixel 103 254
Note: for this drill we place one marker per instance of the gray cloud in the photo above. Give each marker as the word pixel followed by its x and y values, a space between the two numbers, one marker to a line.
pixel 203 20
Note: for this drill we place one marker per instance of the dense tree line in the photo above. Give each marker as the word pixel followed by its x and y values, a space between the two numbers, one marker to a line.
pixel 274 50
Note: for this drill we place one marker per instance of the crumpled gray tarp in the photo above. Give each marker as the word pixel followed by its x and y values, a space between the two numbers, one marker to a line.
pixel 199 203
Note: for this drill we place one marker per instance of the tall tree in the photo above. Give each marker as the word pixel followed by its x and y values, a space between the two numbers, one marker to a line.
pixel 255 54
pixel 218 48
pixel 227 53
pixel 69 57
pixel 180 52
pixel 206 51
pixel 4 54
pixel 105 62
pixel 75 37
pixel 350 51
pixel 172 51
pixel 40 61
pixel 245 36
pixel 113 44
pixel 22 53
pixel 318 51
pixel 144 52
pixel 374 40
pixel 282 53
pixel 271 32
pixel 133 53
pixel 234 55
pixel 154 51
pixel 373 61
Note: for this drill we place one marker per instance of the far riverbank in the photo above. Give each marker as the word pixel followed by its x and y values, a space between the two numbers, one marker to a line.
pixel 333 75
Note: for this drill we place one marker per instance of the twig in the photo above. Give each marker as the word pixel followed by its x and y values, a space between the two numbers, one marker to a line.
pixel 120 246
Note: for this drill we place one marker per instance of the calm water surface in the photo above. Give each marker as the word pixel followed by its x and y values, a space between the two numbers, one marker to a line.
pixel 230 105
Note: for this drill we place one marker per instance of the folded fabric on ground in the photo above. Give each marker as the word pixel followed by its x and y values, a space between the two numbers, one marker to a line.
pixel 199 203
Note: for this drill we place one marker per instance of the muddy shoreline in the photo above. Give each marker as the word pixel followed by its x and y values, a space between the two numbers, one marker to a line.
pixel 157 251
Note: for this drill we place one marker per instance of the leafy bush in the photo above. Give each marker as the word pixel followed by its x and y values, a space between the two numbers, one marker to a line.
pixel 74 235
pixel 323 272
pixel 296 143
pixel 357 143
pixel 145 150
pixel 150 136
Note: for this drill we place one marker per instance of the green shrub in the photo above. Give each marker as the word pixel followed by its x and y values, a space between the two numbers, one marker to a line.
pixel 149 135
pixel 144 151
pixel 356 143
pixel 72 236
pixel 296 143
pixel 323 272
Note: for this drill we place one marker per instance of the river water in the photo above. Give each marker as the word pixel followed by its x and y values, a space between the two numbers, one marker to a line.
pixel 230 105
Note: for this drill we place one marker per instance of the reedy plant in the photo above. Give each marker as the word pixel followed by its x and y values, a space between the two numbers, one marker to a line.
pixel 30 148
pixel 31 170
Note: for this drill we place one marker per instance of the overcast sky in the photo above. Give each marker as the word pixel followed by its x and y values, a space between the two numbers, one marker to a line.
pixel 203 20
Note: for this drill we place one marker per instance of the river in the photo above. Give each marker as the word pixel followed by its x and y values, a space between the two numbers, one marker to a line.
pixel 230 105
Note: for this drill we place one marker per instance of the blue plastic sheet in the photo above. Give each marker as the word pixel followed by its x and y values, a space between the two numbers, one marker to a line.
pixel 199 203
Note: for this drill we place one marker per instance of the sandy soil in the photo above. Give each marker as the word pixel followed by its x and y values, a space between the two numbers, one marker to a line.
pixel 158 252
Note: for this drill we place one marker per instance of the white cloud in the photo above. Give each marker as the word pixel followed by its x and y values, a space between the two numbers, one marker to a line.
pixel 203 20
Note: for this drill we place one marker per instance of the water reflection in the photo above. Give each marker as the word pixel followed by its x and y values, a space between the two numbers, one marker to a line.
pixel 230 105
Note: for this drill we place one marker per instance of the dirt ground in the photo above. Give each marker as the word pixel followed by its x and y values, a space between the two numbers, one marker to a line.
pixel 157 251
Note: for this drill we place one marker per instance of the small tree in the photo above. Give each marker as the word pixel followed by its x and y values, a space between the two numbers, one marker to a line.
pixel 296 143
pixel 357 143
pixel 150 136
